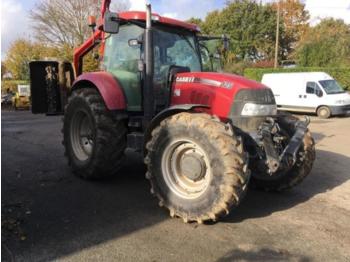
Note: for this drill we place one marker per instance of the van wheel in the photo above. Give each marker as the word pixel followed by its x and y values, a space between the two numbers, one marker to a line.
pixel 323 112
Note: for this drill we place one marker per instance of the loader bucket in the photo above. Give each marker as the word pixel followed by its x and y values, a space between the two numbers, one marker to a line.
pixel 50 82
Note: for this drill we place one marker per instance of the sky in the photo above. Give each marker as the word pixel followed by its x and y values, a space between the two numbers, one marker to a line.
pixel 15 22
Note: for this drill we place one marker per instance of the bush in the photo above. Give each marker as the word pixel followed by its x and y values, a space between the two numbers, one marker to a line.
pixel 11 85
pixel 342 75
pixel 236 68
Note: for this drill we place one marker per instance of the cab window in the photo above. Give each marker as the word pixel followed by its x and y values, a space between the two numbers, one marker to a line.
pixel 311 87
pixel 210 54
pixel 175 48
pixel 121 60
pixel 119 57
pixel 314 88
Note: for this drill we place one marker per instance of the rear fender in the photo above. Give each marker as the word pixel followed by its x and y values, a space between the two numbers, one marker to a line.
pixel 108 87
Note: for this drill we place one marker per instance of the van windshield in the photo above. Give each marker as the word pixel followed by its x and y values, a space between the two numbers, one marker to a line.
pixel 331 87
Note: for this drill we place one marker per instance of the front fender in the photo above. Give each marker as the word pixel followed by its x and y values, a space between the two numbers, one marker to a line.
pixel 175 109
pixel 108 87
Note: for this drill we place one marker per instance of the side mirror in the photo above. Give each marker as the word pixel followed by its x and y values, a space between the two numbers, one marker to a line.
pixel 111 23
pixel 134 42
pixel 319 92
pixel 92 21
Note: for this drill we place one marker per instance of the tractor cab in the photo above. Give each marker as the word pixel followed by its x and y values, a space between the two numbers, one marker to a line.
pixel 176 47
pixel 174 50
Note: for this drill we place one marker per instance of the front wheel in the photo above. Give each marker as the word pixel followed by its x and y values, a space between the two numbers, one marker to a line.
pixel 94 140
pixel 323 112
pixel 196 166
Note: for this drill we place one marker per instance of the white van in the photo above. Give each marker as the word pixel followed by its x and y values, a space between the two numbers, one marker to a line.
pixel 313 92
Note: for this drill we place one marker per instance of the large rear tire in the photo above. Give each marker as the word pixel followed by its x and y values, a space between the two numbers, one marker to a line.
pixel 283 180
pixel 197 167
pixel 93 139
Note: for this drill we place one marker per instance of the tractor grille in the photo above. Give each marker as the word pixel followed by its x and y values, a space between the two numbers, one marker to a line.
pixel 257 96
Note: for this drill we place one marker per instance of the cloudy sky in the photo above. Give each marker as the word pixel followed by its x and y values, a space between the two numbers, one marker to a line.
pixel 15 22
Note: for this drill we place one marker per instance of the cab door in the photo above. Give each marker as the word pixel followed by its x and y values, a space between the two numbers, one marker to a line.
pixel 121 59
pixel 312 97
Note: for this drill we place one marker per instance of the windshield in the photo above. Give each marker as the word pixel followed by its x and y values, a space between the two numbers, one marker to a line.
pixel 331 87
pixel 175 48
pixel 210 52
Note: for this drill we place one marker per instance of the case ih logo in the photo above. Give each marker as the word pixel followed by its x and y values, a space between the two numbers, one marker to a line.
pixel 185 79
pixel 204 81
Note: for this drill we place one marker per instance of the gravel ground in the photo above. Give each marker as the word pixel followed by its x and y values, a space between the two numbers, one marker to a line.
pixel 48 214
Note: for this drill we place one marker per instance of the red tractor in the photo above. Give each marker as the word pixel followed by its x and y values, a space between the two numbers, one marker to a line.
pixel 205 136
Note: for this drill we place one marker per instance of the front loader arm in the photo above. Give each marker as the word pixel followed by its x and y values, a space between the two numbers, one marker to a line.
pixel 104 7
pixel 82 50
pixel 90 43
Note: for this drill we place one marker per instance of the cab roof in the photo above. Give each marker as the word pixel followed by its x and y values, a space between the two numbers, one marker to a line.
pixel 141 16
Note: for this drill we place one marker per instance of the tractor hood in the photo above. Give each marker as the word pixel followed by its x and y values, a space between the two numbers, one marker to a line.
pixel 217 91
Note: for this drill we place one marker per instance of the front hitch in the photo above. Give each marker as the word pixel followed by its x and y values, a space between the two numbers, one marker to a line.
pixel 266 130
pixel 288 157
pixel 289 154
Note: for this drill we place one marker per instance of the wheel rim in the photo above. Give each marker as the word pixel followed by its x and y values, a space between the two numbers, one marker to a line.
pixel 186 169
pixel 81 135
pixel 323 112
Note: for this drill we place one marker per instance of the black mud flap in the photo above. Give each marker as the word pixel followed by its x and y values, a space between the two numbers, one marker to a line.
pixel 50 83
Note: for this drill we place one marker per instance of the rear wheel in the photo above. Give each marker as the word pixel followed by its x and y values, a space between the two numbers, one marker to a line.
pixel 94 140
pixel 196 166
pixel 283 180
pixel 323 112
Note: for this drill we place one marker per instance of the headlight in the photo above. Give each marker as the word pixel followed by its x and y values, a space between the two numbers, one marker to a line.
pixel 251 109
pixel 340 101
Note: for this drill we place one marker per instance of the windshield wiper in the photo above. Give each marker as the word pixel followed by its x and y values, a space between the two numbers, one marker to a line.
pixel 188 42
pixel 335 92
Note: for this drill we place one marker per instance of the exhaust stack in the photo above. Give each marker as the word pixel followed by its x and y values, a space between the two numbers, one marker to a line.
pixel 148 94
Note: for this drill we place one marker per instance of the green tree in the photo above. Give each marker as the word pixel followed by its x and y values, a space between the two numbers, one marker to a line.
pixel 326 44
pixel 295 20
pixel 21 52
pixel 212 24
pixel 196 21
pixel 3 69
pixel 18 56
pixel 251 28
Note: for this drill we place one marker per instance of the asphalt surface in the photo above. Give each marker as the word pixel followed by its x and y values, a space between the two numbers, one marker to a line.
pixel 48 214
